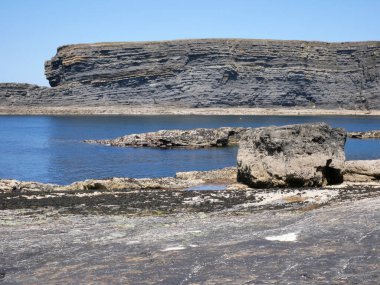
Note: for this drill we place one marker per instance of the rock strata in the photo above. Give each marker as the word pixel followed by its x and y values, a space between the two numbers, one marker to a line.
pixel 362 170
pixel 194 138
pixel 211 73
pixel 294 155
pixel 16 94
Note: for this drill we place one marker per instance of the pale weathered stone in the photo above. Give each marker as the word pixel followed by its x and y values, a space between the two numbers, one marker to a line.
pixel 362 170
pixel 295 155
pixel 224 175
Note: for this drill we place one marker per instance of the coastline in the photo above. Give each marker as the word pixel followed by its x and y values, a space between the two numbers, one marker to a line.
pixel 223 111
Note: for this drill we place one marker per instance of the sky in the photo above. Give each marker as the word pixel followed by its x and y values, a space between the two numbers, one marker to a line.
pixel 31 30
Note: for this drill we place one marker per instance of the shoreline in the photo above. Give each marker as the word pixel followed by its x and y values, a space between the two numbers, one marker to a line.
pixel 112 110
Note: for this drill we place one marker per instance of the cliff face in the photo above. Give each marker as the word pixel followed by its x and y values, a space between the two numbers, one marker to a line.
pixel 21 94
pixel 217 73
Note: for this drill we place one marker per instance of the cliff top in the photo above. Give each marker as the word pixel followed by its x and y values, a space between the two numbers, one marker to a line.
pixel 216 40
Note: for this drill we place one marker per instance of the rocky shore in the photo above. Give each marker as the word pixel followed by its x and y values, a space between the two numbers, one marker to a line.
pixel 204 227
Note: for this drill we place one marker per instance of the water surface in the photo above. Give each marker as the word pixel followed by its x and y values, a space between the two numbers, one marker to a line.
pixel 49 148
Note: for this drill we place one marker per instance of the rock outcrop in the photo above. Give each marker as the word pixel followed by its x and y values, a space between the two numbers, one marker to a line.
pixel 364 135
pixel 194 138
pixel 362 170
pixel 294 155
pixel 213 73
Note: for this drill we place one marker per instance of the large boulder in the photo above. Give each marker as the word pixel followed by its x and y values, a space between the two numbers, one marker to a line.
pixel 305 155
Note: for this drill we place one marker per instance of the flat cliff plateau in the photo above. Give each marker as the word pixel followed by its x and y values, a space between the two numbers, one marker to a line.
pixel 207 73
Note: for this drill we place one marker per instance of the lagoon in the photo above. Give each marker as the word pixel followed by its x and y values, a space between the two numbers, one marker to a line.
pixel 50 149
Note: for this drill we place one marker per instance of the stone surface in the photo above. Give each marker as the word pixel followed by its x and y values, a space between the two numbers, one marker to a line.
pixel 183 180
pixel 335 244
pixel 211 73
pixel 193 138
pixel 364 135
pixel 362 170
pixel 294 155
pixel 11 185
pixel 226 175
pixel 16 94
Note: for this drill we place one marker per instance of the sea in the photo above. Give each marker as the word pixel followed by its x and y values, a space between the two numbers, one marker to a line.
pixel 50 149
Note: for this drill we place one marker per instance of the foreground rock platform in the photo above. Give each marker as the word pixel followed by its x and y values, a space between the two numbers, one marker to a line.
pixel 333 244
pixel 200 227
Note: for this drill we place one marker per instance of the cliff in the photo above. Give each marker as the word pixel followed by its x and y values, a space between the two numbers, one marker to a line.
pixel 215 73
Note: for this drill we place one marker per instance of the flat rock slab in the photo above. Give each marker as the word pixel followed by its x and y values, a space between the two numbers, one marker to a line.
pixel 194 138
pixel 362 170
pixel 331 245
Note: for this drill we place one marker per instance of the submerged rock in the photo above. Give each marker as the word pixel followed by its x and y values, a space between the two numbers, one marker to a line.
pixel 294 156
pixel 362 170
pixel 194 138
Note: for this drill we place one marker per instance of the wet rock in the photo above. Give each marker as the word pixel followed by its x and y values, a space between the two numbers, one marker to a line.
pixel 194 138
pixel 362 170
pixel 364 135
pixel 295 156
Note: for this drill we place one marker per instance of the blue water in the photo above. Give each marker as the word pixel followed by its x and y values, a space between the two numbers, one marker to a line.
pixel 49 148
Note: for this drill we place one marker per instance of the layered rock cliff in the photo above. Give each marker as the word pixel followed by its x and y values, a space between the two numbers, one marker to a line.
pixel 216 73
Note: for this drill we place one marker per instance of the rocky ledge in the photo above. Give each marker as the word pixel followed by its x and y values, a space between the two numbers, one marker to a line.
pixel 364 135
pixel 196 138
pixel 179 138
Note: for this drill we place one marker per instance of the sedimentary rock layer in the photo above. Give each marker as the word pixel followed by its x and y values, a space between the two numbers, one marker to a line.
pixel 362 170
pixel 213 73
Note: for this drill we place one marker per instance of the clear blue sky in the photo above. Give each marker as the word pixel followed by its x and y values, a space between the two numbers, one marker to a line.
pixel 31 30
